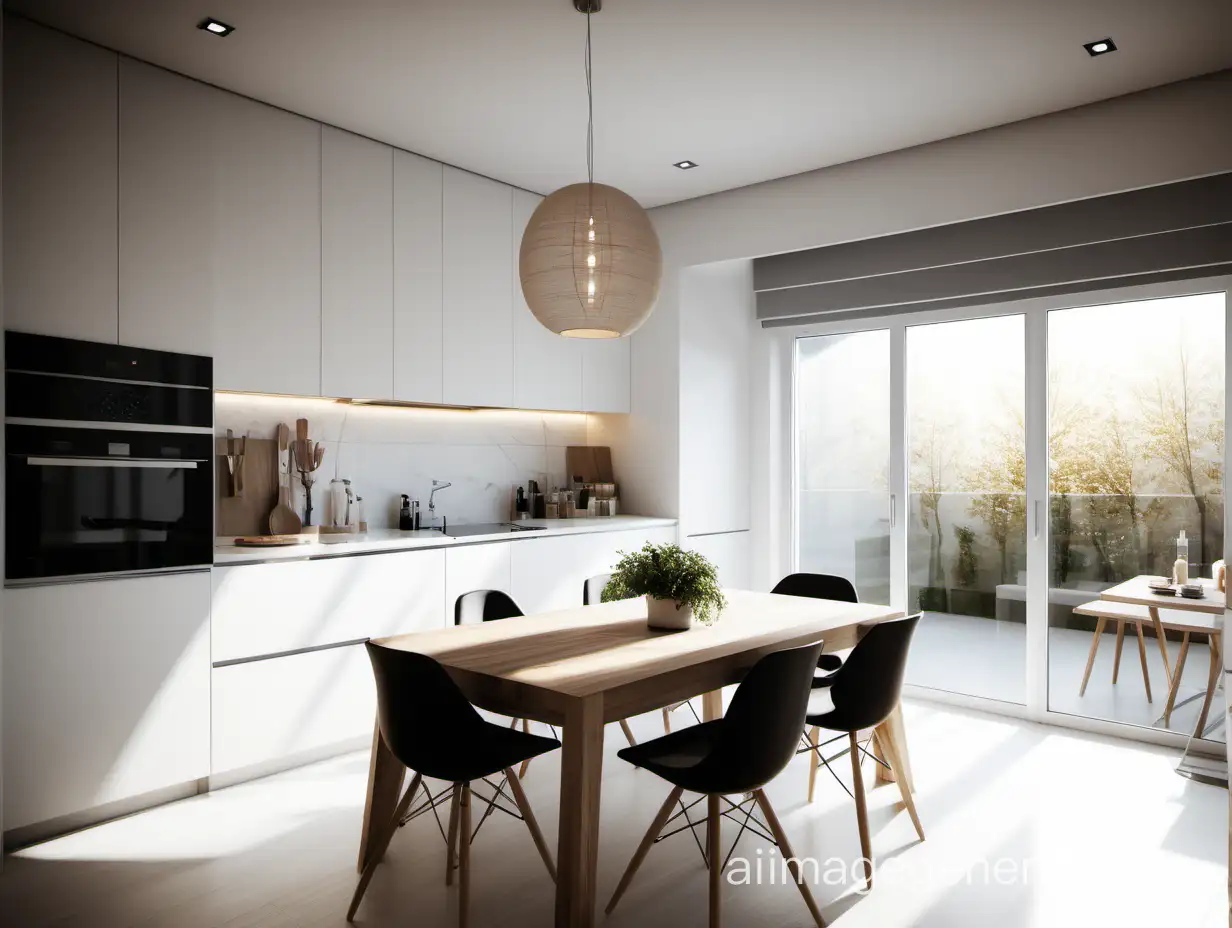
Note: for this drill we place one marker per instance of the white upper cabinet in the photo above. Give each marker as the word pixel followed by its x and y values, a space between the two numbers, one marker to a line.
pixel 357 266
pixel 418 367
pixel 265 257
pixel 60 144
pixel 167 280
pixel 605 375
pixel 478 268
pixel 547 369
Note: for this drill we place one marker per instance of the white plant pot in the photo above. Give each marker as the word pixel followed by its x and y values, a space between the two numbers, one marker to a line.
pixel 668 614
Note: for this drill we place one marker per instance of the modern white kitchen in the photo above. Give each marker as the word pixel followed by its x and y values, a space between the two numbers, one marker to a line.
pixel 419 479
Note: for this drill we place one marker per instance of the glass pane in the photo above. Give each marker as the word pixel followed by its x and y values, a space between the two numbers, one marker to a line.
pixel 1136 433
pixel 843 459
pixel 966 530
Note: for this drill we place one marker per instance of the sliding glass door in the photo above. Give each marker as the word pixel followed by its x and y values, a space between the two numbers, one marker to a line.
pixel 998 469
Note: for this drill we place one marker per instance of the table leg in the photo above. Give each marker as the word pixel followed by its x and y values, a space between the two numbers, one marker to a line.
pixel 1163 642
pixel 893 731
pixel 712 705
pixel 385 774
pixel 581 778
pixel 1212 681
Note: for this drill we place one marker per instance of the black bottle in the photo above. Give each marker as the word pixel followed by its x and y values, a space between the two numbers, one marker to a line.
pixel 405 522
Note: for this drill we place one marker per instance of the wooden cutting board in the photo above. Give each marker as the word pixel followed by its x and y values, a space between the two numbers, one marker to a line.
pixel 270 541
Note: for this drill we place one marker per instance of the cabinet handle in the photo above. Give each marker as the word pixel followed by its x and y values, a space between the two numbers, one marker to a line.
pixel 120 463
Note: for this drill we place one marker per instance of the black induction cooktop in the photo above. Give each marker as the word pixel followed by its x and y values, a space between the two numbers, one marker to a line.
pixel 489 528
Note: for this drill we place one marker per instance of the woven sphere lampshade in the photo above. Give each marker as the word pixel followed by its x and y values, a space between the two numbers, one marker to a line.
pixel 590 262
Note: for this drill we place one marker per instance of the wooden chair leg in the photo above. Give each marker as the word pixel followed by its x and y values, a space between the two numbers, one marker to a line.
pixel 526 763
pixel 1212 681
pixel 378 850
pixel 714 854
pixel 1116 661
pixel 1177 673
pixel 656 827
pixel 1086 675
pixel 814 760
pixel 667 721
pixel 624 726
pixel 464 857
pixel 866 849
pixel 776 829
pixel 1146 674
pixel 451 845
pixel 891 757
pixel 519 797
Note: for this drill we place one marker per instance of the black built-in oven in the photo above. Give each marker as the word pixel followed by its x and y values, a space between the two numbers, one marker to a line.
pixel 109 454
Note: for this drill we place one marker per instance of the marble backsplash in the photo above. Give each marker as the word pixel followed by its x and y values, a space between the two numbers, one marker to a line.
pixel 388 451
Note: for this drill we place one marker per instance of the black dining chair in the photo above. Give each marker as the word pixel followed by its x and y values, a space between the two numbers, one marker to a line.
pixel 429 726
pixel 818 586
pixel 735 755
pixel 859 696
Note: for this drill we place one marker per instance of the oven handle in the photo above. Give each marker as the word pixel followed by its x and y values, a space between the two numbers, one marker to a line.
pixel 112 462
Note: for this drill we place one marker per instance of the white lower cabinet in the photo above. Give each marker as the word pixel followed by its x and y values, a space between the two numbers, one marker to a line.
pixel 106 692
pixel 263 609
pixel 277 710
pixel 476 567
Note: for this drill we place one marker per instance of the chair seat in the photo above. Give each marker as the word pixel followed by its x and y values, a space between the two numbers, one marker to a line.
pixel 485 751
pixel 820 704
pixel 675 757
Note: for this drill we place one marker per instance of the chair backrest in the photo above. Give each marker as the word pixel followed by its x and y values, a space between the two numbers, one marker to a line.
pixel 484 606
pixel 424 718
pixel 867 687
pixel 592 589
pixel 761 729
pixel 817 586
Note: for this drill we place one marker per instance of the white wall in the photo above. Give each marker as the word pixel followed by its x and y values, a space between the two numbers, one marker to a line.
pixel 387 451
pixel 1166 134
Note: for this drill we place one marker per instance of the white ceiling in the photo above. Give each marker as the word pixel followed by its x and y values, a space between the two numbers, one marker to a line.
pixel 750 89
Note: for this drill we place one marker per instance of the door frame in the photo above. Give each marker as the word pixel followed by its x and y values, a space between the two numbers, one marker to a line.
pixel 1035 310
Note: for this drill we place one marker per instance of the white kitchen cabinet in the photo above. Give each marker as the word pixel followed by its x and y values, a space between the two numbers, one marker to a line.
pixel 547 369
pixel 476 567
pixel 417 342
pixel 167 189
pixel 265 254
pixel 284 710
pixel 478 310
pixel 730 554
pixel 106 692
pixel 357 266
pixel 605 375
pixel 60 150
pixel 262 609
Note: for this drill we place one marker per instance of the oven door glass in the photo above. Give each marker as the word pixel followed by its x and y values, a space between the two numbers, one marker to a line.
pixel 76 514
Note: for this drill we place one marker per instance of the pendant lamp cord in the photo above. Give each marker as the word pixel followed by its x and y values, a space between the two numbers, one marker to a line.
pixel 590 110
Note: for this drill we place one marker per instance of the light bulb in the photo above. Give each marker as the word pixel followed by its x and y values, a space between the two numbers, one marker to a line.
pixel 590 236
pixel 590 287
pixel 590 260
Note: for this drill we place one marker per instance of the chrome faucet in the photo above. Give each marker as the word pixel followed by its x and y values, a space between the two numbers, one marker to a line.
pixel 436 485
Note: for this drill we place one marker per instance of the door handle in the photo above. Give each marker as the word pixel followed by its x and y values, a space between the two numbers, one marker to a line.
pixel 119 463
pixel 1038 503
pixel 893 509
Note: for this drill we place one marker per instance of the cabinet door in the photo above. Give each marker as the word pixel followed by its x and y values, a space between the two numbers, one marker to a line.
pixel 106 692
pixel 548 573
pixel 418 347
pixel 357 266
pixel 730 554
pixel 605 375
pixel 262 609
pixel 478 325
pixel 287 709
pixel 547 369
pixel 475 567
pixel 59 184
pixel 167 279
pixel 266 249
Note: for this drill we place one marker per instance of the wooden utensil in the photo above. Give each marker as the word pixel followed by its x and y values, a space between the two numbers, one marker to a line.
pixel 283 520
pixel 308 458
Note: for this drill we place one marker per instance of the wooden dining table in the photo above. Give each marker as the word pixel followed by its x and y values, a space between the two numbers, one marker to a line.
pixel 584 667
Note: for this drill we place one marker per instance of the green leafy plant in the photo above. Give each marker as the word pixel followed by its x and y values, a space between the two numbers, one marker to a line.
pixel 668 572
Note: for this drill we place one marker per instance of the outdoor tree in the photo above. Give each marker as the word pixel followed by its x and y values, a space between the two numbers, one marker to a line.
pixel 931 460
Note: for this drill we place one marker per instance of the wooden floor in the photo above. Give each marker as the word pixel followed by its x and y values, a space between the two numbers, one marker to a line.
pixel 1107 834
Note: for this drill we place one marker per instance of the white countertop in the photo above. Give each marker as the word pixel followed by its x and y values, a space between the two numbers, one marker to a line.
pixel 383 540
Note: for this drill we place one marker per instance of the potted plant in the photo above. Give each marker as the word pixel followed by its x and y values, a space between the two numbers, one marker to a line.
pixel 678 585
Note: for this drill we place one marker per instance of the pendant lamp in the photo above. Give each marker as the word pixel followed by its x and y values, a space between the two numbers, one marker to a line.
pixel 590 261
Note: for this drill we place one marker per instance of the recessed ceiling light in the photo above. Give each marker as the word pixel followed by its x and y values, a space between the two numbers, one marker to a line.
pixel 1100 47
pixel 685 165
pixel 215 26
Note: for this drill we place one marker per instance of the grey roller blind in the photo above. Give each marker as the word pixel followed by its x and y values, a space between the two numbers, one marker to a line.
pixel 1170 232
